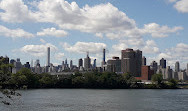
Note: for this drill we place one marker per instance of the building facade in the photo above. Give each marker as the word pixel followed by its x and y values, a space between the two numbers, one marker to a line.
pixel 131 62
pixel 143 61
pixel 177 67
pixel 87 62
pixel 114 65
pixel 163 63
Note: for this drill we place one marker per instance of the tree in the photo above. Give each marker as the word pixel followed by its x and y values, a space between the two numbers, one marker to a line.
pixel 158 80
pixel 5 76
pixel 172 83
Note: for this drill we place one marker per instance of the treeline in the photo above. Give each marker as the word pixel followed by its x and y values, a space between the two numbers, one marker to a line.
pixel 26 79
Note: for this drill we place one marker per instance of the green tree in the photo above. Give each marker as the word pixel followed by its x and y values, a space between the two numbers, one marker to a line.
pixel 158 78
pixel 172 83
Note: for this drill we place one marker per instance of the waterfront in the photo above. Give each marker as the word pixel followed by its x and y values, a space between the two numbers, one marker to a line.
pixel 99 100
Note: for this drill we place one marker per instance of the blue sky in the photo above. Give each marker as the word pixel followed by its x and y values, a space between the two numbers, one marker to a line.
pixel 73 27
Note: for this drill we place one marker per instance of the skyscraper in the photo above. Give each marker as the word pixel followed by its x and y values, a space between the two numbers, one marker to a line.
pixel 80 63
pixel 27 65
pixel 48 56
pixel 143 61
pixel 131 62
pixel 114 65
pixel 17 66
pixel 154 66
pixel 104 58
pixel 104 55
pixel 163 63
pixel 87 62
pixel 94 63
pixel 71 64
pixel 177 66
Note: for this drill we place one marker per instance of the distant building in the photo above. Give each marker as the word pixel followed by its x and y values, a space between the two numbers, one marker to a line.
pixel 163 63
pixel 114 65
pixel 37 67
pixel 103 63
pixel 12 61
pixel 143 61
pixel 131 62
pixel 154 66
pixel 80 63
pixel 27 65
pixel 182 76
pixel 87 62
pixel 175 75
pixel 168 73
pixel 48 56
pixel 71 65
pixel 177 67
pixel 17 66
pixel 146 73
pixel 187 72
pixel 94 63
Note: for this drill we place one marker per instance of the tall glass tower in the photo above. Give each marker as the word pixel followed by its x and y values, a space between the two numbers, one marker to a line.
pixel 48 56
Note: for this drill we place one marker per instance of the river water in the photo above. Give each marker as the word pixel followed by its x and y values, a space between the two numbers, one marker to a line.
pixel 99 100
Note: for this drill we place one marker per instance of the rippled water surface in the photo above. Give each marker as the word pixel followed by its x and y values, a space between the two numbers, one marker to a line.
pixel 99 100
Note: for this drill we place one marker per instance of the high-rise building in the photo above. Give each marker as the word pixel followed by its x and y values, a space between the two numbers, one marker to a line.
pixel 177 67
pixel 27 65
pixel 114 65
pixel 94 63
pixel 154 66
pixel 17 66
pixel 104 58
pixel 168 73
pixel 163 63
pixel 48 56
pixel 32 63
pixel 87 62
pixel 12 61
pixel 66 61
pixel 143 61
pixel 131 62
pixel 37 62
pixel 146 73
pixel 80 63
pixel 71 64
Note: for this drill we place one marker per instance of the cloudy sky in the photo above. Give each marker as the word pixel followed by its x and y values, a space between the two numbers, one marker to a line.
pixel 71 28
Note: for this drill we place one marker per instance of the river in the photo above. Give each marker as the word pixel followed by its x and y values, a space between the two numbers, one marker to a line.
pixel 99 100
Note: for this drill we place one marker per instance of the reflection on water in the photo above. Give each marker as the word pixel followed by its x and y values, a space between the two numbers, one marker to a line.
pixel 99 100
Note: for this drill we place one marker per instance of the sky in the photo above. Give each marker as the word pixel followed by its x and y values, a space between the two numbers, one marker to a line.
pixel 71 28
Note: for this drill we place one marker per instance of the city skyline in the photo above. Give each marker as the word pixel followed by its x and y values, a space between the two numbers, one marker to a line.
pixel 131 61
pixel 158 28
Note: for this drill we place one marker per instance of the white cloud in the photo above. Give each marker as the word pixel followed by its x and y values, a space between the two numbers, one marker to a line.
pixel 159 31
pixel 42 40
pixel 182 6
pixel 59 56
pixel 52 32
pixel 38 50
pixel 102 19
pixel 119 47
pixel 83 47
pixel 172 1
pixel 14 33
pixel 177 53
pixel 99 35
pixel 15 11
pixel 150 47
